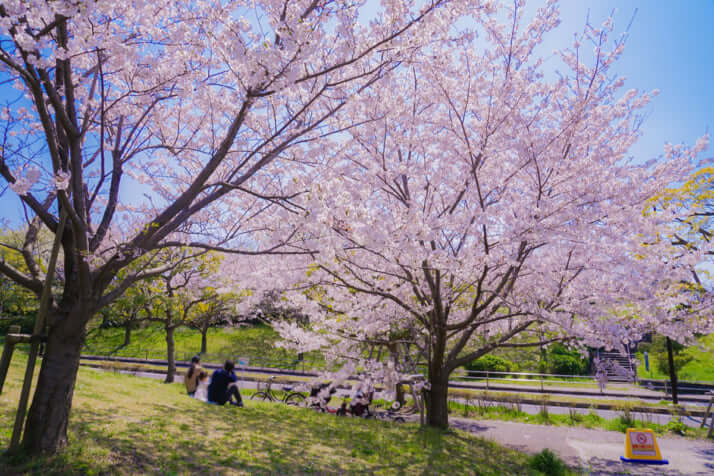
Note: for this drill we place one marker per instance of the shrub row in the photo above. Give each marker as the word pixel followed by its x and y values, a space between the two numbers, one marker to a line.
pixel 558 360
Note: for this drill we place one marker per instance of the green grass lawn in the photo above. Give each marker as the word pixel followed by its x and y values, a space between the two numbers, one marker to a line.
pixel 254 342
pixel 473 396
pixel 127 425
pixel 699 369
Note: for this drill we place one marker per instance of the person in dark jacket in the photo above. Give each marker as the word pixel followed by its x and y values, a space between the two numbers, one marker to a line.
pixel 223 387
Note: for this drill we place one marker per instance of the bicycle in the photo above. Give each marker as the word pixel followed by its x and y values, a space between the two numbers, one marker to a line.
pixel 391 414
pixel 289 397
pixel 360 408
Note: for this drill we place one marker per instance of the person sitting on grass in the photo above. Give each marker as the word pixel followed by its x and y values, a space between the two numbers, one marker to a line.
pixel 191 378
pixel 201 392
pixel 223 387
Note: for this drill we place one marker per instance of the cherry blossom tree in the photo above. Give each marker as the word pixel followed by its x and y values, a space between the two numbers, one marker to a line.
pixel 171 123
pixel 490 203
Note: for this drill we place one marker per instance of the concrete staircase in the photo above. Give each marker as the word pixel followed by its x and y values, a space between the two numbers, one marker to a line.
pixel 623 361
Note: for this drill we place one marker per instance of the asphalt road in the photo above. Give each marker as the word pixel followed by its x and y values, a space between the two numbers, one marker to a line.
pixel 595 451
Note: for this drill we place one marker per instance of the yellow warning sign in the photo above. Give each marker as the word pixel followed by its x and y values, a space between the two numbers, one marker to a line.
pixel 641 447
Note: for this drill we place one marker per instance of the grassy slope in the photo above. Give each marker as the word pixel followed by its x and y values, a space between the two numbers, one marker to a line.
pixel 127 425
pixel 254 342
pixel 699 369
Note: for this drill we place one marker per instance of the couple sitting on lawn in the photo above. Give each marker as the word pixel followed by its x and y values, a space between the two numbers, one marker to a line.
pixel 223 387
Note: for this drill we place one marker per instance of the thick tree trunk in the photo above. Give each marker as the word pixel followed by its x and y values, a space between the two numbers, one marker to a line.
pixel 170 355
pixel 672 372
pixel 46 425
pixel 437 411
pixel 204 343
pixel 127 335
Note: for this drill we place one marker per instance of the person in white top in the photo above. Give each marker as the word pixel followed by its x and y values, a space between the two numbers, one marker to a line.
pixel 201 392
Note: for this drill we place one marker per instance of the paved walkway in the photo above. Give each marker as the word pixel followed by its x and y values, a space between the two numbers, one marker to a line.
pixel 595 451
pixel 612 391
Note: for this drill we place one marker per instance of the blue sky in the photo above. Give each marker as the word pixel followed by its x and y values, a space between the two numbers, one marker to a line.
pixel 670 47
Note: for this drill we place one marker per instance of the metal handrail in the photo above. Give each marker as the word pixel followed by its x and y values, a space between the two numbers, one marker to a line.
pixel 489 373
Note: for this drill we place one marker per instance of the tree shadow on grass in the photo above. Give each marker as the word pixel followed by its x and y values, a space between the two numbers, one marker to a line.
pixel 181 435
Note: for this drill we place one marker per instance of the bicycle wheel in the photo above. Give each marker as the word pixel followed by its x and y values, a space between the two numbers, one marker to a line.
pixel 294 398
pixel 260 396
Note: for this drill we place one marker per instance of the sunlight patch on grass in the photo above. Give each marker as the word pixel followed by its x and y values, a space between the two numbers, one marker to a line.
pixel 121 424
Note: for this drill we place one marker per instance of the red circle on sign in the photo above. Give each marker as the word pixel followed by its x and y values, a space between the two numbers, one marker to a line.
pixel 641 438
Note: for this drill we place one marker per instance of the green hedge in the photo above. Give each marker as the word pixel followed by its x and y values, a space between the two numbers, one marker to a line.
pixel 567 365
pixel 491 363
pixel 564 361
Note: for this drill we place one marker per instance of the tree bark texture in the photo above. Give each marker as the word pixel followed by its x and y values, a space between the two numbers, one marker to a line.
pixel 170 355
pixel 400 394
pixel 204 341
pixel 46 424
pixel 437 408
pixel 127 335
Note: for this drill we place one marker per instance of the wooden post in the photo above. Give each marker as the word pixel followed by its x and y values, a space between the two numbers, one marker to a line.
pixel 706 413
pixel 7 354
pixel 37 334
pixel 709 415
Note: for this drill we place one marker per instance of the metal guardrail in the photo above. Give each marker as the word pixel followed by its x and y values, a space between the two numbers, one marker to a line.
pixel 490 372
pixel 540 378
pixel 304 364
pixel 691 387
pixel 309 364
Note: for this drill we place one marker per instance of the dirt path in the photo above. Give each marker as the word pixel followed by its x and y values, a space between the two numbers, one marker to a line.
pixel 595 451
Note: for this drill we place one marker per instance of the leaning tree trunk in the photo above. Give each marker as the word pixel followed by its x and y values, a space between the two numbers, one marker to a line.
pixel 437 404
pixel 204 340
pixel 170 355
pixel 46 425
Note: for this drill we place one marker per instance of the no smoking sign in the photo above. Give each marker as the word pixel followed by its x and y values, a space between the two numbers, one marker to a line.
pixel 641 447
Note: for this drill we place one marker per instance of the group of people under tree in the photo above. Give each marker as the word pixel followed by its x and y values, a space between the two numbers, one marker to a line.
pixel 222 388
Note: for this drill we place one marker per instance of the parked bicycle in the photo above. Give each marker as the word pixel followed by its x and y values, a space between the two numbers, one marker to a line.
pixel 359 406
pixel 289 396
pixel 391 414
